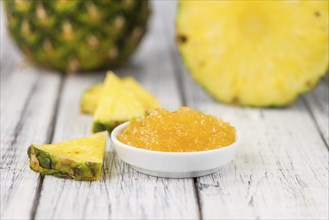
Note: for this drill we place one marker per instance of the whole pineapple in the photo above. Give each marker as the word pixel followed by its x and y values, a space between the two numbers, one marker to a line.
pixel 77 35
pixel 257 53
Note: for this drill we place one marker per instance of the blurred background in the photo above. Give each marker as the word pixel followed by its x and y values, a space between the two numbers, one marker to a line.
pixel 158 11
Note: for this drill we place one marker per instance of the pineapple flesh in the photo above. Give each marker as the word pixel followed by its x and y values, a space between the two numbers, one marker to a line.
pixel 116 105
pixel 78 35
pixel 148 101
pixel 79 159
pixel 90 97
pixel 254 53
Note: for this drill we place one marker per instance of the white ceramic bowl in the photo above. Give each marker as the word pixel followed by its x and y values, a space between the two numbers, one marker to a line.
pixel 173 164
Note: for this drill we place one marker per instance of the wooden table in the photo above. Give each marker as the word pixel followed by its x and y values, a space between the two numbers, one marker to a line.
pixel 280 171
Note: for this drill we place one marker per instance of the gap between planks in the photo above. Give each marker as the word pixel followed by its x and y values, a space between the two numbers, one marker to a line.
pixel 180 84
pixel 28 110
pixel 36 199
pixel 316 123
pixel 175 59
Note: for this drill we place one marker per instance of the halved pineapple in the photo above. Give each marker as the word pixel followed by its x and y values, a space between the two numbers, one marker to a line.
pixel 79 159
pixel 258 53
pixel 116 105
pixel 90 97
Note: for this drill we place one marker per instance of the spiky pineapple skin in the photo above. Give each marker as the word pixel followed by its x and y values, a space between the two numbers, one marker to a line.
pixel 77 36
pixel 47 164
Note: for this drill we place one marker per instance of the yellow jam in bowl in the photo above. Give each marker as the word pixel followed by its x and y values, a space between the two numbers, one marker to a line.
pixel 184 130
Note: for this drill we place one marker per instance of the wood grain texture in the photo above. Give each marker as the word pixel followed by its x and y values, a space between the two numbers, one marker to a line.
pixel 68 199
pixel 122 193
pixel 318 103
pixel 27 109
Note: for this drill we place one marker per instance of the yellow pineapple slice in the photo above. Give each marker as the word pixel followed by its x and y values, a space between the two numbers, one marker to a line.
pixel 79 159
pixel 90 97
pixel 147 100
pixel 116 105
pixel 257 53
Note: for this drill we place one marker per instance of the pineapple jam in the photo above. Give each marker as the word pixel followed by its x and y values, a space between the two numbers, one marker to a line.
pixel 184 130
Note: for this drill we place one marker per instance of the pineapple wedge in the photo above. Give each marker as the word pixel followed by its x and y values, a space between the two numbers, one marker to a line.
pixel 116 105
pixel 90 96
pixel 254 53
pixel 148 101
pixel 89 99
pixel 79 159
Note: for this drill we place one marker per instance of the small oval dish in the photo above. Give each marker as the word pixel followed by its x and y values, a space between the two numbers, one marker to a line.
pixel 173 164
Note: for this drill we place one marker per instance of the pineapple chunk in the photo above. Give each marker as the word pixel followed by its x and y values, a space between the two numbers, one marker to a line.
pixel 257 53
pixel 116 105
pixel 90 96
pixel 148 101
pixel 89 99
pixel 79 159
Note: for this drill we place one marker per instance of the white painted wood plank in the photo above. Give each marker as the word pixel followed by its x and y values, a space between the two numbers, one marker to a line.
pixel 27 107
pixel 15 91
pixel 69 199
pixel 137 196
pixel 122 193
pixel 318 103
pixel 281 168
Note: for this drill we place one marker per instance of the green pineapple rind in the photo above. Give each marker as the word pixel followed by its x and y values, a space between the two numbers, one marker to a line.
pixel 104 126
